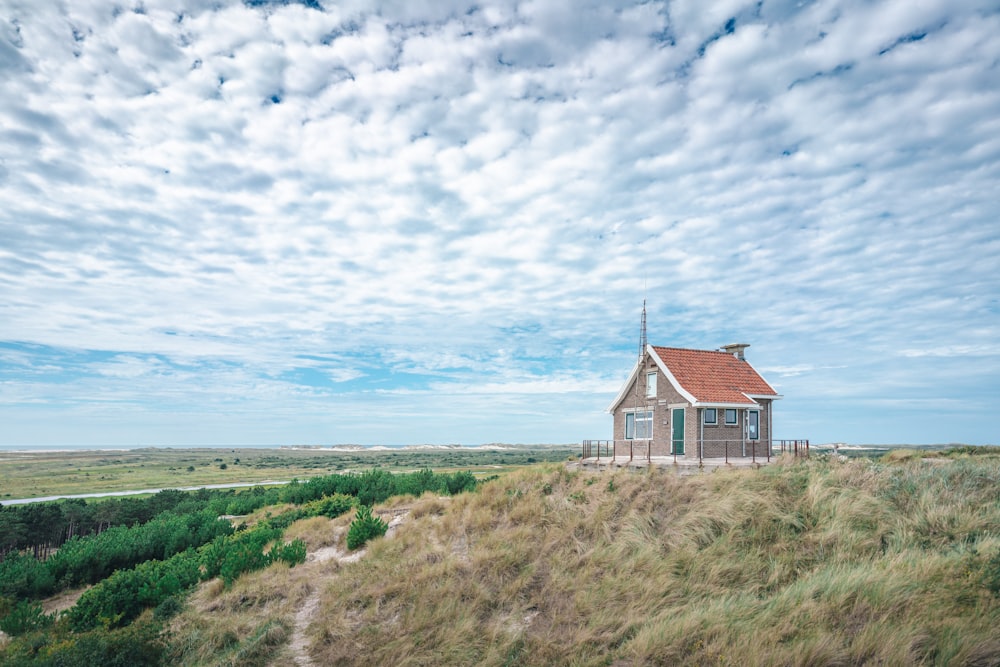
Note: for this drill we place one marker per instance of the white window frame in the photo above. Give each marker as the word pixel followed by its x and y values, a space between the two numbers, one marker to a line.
pixel 651 384
pixel 753 421
pixel 704 416
pixel 736 416
pixel 645 418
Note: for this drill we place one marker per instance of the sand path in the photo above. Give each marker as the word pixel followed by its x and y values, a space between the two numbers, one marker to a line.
pixel 299 643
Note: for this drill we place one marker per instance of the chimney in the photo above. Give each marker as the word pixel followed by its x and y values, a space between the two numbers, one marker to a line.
pixel 736 349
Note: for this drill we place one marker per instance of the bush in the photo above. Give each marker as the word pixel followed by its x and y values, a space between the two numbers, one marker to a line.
pixel 335 505
pixel 23 576
pixel 460 481
pixel 25 617
pixel 365 527
pixel 139 644
pixel 240 558
pixel 293 553
pixel 167 609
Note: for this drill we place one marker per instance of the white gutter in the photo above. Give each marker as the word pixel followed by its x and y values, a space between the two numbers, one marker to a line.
pixel 773 397
pixel 746 425
pixel 752 404
pixel 701 440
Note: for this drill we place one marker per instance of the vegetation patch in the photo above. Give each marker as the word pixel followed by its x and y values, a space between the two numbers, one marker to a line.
pixel 365 527
pixel 148 567
pixel 826 561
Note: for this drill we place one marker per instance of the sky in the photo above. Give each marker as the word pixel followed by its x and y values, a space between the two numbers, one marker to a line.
pixel 229 222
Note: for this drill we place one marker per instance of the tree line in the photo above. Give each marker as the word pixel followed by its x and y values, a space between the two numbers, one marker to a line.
pixel 42 528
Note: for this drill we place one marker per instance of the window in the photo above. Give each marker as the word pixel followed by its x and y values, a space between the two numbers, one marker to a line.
pixel 638 425
pixel 753 425
pixel 651 385
pixel 711 416
pixel 730 416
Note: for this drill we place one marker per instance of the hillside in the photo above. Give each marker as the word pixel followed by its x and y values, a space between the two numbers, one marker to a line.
pixel 824 562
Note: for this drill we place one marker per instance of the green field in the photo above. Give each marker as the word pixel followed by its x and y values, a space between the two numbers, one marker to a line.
pixel 40 474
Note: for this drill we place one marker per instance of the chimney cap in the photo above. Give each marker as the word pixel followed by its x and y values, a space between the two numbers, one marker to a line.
pixel 736 349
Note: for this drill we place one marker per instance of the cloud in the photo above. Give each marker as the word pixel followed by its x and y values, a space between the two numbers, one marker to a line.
pixel 306 209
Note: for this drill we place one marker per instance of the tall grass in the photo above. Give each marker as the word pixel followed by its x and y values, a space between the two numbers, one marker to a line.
pixel 822 562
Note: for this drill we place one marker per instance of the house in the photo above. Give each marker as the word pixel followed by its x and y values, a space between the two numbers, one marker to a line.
pixel 693 404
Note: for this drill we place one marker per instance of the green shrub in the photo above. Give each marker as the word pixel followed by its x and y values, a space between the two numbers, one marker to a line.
pixel 138 644
pixel 460 481
pixel 365 527
pixel 335 505
pixel 25 617
pixel 292 553
pixel 23 576
pixel 167 609
pixel 240 558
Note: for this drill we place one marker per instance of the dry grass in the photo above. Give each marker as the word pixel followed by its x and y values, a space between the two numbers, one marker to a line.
pixel 317 532
pixel 246 625
pixel 819 563
pixel 252 622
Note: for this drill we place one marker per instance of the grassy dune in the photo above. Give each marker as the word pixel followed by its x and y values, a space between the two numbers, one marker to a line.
pixel 826 562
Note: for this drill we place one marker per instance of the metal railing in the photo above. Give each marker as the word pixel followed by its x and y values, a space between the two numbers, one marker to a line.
pixel 795 447
pixel 735 448
pixel 752 449
pixel 593 448
pixel 598 449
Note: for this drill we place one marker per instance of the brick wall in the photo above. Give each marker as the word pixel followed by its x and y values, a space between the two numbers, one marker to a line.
pixel 717 437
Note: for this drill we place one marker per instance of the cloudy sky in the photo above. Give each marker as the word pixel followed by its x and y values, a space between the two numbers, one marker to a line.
pixel 227 222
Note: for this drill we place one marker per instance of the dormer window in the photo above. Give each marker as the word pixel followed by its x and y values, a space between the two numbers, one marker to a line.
pixel 651 385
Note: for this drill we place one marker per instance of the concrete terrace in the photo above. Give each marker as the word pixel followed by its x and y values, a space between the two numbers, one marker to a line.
pixel 682 465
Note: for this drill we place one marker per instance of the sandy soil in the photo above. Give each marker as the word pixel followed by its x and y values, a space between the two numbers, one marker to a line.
pixel 299 643
pixel 63 601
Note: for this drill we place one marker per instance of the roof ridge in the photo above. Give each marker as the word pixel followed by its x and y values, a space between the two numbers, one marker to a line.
pixel 688 349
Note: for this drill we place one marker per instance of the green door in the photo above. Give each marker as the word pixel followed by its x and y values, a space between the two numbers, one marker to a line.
pixel 677 431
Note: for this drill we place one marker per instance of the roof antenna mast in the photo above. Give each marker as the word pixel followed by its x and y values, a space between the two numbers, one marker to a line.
pixel 647 421
pixel 642 332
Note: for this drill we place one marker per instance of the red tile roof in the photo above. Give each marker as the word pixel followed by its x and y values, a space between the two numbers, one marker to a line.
pixel 714 377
